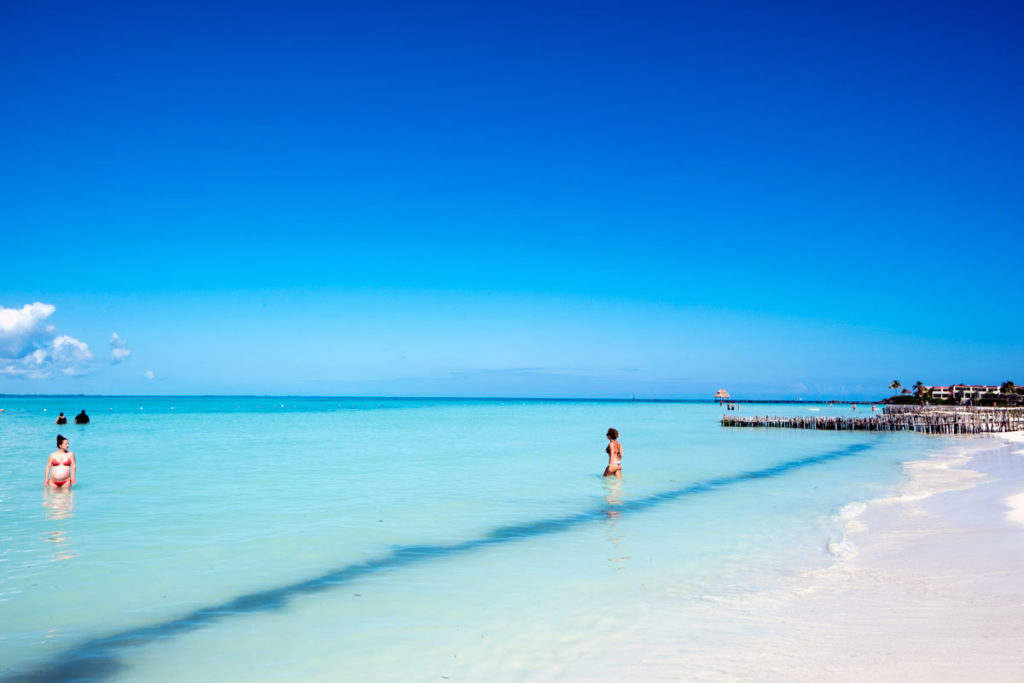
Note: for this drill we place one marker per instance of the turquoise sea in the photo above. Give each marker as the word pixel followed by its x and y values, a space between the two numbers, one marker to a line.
pixel 228 538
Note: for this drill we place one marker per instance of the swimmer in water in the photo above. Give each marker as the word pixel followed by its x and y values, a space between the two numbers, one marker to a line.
pixel 61 420
pixel 614 451
pixel 61 467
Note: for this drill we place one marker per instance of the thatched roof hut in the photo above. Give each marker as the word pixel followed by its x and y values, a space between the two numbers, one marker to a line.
pixel 722 395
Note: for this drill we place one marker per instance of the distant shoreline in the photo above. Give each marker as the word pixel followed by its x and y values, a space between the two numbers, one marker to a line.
pixel 465 398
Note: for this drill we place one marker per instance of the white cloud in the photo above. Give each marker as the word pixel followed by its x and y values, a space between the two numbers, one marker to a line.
pixel 70 353
pixel 118 349
pixel 21 328
pixel 149 374
pixel 30 347
pixel 32 365
pixel 66 354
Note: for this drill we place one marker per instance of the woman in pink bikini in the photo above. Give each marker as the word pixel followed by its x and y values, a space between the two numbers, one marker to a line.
pixel 60 466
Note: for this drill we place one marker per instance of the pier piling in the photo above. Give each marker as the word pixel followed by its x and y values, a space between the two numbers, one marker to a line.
pixel 926 420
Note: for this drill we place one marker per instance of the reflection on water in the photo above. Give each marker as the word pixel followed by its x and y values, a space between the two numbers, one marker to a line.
pixel 613 497
pixel 59 505
pixel 613 500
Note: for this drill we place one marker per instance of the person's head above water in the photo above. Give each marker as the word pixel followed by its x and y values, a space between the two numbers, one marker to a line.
pixel 61 440
pixel 613 433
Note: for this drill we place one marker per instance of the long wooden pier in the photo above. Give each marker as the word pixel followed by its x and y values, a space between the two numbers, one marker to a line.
pixel 927 420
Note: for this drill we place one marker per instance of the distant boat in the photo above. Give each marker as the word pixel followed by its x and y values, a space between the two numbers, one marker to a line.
pixel 814 409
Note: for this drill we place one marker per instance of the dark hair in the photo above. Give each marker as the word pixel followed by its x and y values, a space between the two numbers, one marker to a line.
pixel 613 432
pixel 60 438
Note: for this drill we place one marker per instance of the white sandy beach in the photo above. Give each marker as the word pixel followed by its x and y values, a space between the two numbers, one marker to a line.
pixel 928 586
pixel 931 586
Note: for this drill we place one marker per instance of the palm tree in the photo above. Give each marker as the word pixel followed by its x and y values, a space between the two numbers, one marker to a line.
pixel 895 386
pixel 919 388
pixel 1008 387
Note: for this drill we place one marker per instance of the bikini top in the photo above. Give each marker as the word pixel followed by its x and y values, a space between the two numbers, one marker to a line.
pixel 58 462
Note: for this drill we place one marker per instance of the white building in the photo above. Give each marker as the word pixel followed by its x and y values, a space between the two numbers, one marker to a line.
pixel 962 392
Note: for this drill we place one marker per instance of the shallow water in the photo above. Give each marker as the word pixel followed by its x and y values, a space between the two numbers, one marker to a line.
pixel 398 539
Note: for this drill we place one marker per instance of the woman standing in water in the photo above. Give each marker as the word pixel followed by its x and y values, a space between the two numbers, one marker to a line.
pixel 614 451
pixel 60 466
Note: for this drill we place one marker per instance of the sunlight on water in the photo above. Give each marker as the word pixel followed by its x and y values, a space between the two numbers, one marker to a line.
pixel 396 539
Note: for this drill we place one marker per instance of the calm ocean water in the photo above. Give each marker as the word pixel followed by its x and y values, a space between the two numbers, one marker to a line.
pixel 392 539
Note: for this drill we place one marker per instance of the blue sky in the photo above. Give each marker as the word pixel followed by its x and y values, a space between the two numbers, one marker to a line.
pixel 531 199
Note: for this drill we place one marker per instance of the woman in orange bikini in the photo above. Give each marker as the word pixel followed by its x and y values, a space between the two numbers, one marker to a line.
pixel 614 451
pixel 60 466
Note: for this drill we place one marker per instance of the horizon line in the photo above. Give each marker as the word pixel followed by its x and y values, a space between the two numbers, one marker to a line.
pixel 453 398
